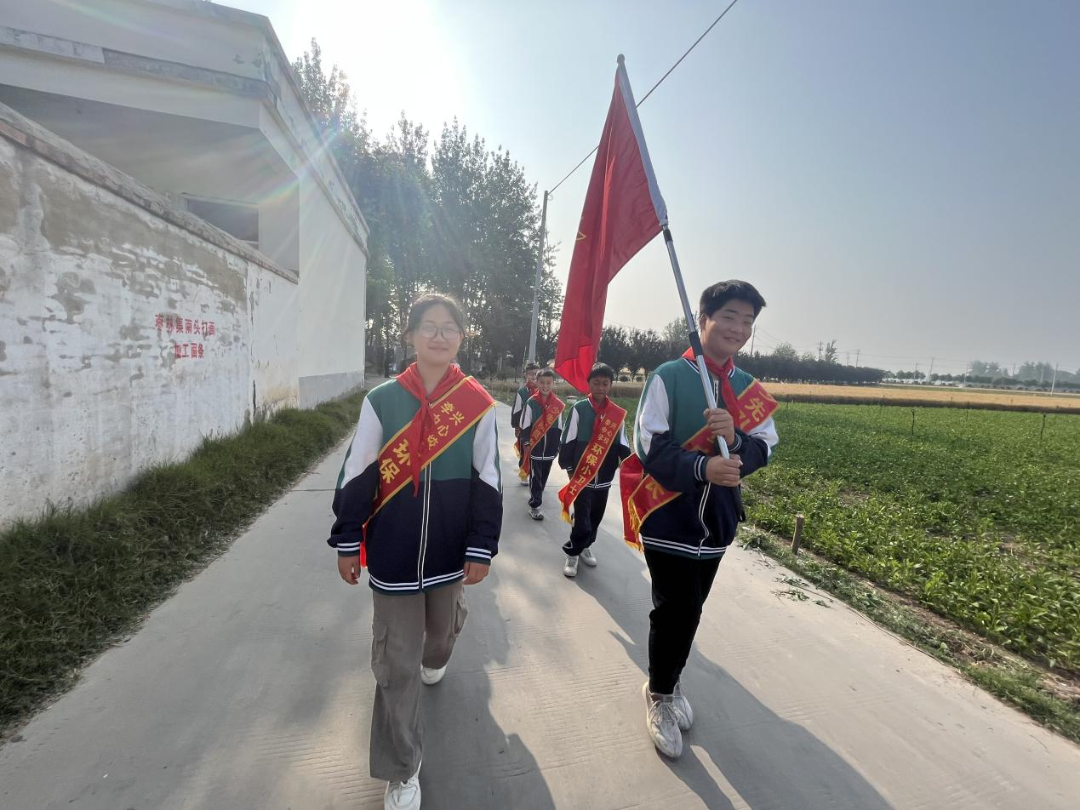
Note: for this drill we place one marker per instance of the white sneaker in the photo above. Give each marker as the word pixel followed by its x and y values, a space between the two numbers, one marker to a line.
pixel 683 713
pixel 430 677
pixel 588 558
pixel 662 723
pixel 403 795
pixel 570 567
pixel 524 483
pixel 534 513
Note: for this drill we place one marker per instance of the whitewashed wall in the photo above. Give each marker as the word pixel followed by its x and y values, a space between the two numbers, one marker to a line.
pixel 332 302
pixel 101 373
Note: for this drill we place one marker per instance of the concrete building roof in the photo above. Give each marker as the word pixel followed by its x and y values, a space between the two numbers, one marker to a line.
pixel 216 48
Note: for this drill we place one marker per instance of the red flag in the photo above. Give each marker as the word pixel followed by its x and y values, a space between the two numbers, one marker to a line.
pixel 623 211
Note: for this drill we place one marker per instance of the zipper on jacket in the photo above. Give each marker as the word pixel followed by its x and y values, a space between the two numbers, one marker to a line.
pixel 708 484
pixel 424 529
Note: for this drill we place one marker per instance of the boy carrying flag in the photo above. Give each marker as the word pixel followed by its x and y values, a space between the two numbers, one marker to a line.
pixel 594 445
pixel 686 508
pixel 541 428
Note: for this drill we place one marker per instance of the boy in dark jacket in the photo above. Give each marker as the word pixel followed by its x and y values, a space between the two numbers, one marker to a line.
pixel 594 444
pixel 541 428
pixel 686 509
pixel 527 390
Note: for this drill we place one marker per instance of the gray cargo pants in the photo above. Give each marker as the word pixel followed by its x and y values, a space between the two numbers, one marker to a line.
pixel 408 630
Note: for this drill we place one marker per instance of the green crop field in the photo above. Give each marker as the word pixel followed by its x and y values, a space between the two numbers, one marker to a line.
pixel 975 515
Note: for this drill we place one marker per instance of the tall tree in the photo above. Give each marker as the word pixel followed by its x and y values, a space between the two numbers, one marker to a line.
pixel 675 337
pixel 647 349
pixel 461 218
pixel 615 348
pixel 785 351
pixel 829 355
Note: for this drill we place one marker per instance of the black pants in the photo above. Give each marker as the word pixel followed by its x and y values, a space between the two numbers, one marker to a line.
pixel 588 512
pixel 680 586
pixel 538 476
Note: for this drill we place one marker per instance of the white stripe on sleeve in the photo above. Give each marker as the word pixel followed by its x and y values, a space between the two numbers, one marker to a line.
pixel 366 444
pixel 571 428
pixel 653 413
pixel 767 432
pixel 486 451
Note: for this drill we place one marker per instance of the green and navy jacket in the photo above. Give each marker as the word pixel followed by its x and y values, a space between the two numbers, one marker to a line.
pixel 522 397
pixel 547 449
pixel 701 523
pixel 418 542
pixel 576 438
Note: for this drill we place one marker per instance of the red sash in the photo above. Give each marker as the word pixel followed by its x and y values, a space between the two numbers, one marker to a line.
pixel 750 408
pixel 642 494
pixel 451 416
pixel 548 417
pixel 605 432
pixel 531 388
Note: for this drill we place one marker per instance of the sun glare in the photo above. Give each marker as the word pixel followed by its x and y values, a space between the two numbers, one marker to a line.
pixel 396 57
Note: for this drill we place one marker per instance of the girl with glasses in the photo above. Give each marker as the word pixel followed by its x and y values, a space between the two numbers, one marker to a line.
pixel 419 504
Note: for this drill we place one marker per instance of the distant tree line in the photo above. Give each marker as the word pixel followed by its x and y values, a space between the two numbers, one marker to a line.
pixel 634 352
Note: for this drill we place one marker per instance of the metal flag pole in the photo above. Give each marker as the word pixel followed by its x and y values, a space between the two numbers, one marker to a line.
pixel 536 290
pixel 695 338
pixel 661 213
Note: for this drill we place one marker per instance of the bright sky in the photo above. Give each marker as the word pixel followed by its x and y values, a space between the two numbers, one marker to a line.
pixel 903 178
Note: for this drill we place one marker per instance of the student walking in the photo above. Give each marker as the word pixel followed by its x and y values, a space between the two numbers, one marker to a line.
pixel 686 508
pixel 419 504
pixel 593 446
pixel 527 389
pixel 541 425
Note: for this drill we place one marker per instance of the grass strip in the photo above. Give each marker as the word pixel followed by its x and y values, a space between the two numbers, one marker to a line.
pixel 74 579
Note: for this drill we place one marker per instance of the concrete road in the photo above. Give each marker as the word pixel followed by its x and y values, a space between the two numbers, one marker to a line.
pixel 250 688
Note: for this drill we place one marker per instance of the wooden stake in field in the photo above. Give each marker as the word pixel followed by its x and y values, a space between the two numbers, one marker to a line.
pixel 913 423
pixel 798 534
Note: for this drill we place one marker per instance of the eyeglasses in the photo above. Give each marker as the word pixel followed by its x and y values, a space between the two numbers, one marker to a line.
pixel 430 330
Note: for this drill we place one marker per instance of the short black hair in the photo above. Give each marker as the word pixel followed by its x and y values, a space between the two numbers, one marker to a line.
pixel 546 372
pixel 532 367
pixel 720 293
pixel 602 370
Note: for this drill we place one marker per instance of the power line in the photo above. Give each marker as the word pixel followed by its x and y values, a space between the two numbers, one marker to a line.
pixel 661 81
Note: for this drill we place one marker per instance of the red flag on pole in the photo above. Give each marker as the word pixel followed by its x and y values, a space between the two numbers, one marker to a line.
pixel 623 211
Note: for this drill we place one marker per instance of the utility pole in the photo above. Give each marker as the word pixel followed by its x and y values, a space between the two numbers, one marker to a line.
pixel 1053 384
pixel 857 353
pixel 753 336
pixel 931 374
pixel 819 346
pixel 536 290
pixel 915 375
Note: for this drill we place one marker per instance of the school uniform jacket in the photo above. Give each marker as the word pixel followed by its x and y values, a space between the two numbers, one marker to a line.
pixel 419 541
pixel 701 523
pixel 576 438
pixel 547 449
pixel 522 397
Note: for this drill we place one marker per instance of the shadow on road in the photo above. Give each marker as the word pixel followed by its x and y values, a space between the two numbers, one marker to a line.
pixel 770 762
